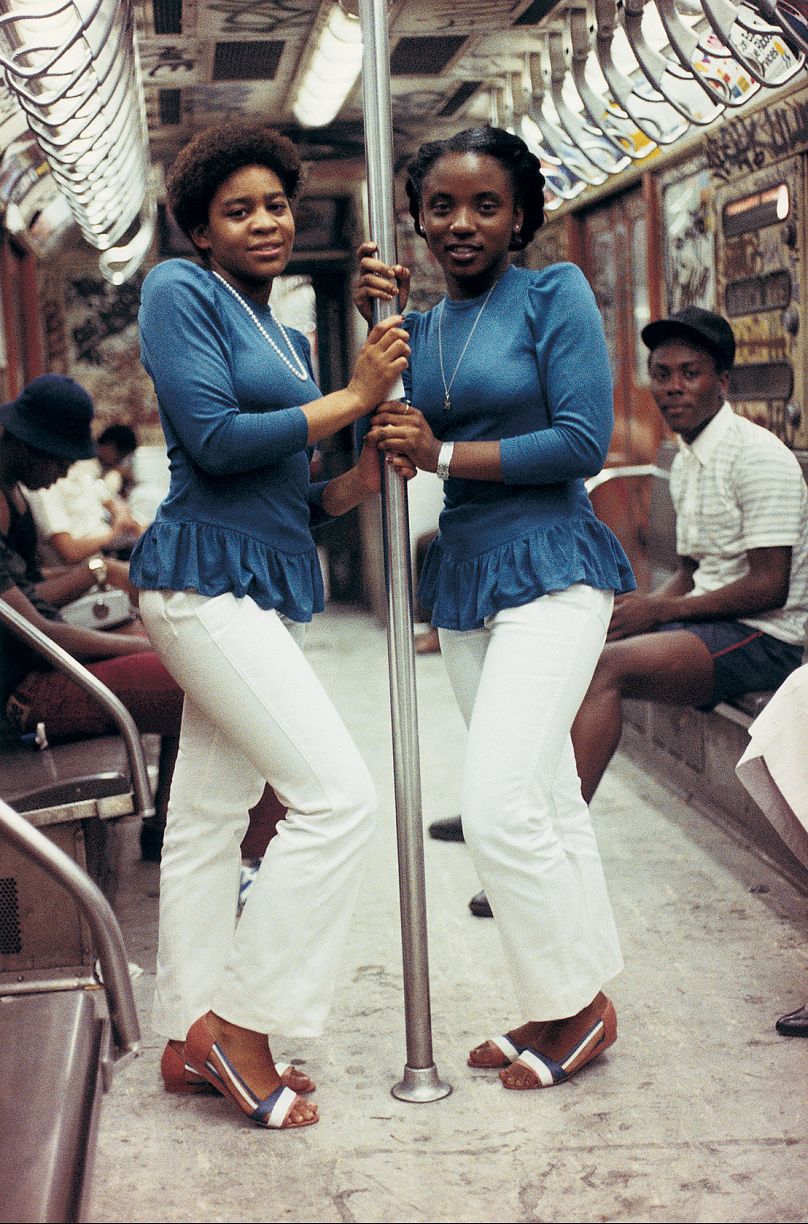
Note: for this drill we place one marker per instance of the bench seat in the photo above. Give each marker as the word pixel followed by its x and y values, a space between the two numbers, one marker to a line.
pixel 81 776
pixel 50 1095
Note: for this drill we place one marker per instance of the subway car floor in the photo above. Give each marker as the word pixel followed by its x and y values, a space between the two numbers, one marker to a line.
pixel 698 1113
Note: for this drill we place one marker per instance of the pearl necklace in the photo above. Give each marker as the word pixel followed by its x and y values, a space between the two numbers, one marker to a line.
pixel 447 403
pixel 298 369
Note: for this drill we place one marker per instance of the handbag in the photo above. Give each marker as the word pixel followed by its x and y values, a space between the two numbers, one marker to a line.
pixel 101 609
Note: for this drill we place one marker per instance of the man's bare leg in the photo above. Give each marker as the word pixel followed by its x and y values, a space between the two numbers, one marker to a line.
pixel 673 667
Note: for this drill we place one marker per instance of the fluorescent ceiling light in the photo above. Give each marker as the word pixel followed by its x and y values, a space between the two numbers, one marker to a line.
pixel 332 70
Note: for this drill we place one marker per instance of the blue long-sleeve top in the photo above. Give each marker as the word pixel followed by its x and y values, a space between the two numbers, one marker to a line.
pixel 536 378
pixel 240 507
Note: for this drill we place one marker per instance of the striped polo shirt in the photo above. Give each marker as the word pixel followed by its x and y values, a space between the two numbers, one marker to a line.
pixel 735 488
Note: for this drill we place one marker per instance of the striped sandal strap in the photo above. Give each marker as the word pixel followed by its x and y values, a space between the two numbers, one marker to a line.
pixel 547 1071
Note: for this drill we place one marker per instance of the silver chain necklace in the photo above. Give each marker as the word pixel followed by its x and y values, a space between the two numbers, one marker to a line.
pixel 298 369
pixel 447 402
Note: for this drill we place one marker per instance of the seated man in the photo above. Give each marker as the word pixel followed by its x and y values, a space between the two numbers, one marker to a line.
pixel 732 617
pixel 115 447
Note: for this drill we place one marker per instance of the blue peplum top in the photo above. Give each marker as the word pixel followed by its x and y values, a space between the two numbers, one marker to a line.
pixel 536 377
pixel 240 507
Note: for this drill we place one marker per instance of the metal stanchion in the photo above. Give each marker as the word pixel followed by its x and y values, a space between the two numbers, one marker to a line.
pixel 421 1081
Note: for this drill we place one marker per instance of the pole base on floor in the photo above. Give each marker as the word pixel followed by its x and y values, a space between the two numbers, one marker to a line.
pixel 421 1084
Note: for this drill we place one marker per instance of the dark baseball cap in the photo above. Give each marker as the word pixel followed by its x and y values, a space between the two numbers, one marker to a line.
pixel 702 327
pixel 53 414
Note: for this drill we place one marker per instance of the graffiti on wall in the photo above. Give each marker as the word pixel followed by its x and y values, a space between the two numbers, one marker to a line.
pixel 749 142
pixel 689 234
pixel 548 247
pixel 220 102
pixel 449 17
pixel 100 326
pixel 169 64
pixel 55 336
pixel 260 16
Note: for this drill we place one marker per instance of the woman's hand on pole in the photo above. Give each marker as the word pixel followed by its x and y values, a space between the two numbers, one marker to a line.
pixel 382 359
pixel 369 468
pixel 362 481
pixel 378 281
pixel 397 428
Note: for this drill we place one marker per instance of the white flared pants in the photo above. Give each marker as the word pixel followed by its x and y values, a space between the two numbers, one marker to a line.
pixel 254 712
pixel 519 683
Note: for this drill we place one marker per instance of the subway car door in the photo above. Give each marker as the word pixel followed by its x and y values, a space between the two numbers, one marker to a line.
pixel 760 274
pixel 614 257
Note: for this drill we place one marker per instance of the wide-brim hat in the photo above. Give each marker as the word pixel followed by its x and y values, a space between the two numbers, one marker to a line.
pixel 703 327
pixel 53 414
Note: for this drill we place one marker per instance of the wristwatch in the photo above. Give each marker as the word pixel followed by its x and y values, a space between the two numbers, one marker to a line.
pixel 98 568
pixel 444 460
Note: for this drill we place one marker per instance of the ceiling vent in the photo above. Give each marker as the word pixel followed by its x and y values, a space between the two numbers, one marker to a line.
pixel 170 107
pixel 167 16
pixel 247 61
pixel 424 56
pixel 535 12
pixel 460 95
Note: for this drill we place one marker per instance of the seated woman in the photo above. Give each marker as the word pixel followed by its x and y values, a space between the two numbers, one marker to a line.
pixel 43 431
pixel 78 516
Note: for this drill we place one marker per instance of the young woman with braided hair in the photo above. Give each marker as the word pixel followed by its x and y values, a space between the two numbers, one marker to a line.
pixel 511 405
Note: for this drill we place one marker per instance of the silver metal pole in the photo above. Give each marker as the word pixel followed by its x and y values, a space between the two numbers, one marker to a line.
pixel 421 1081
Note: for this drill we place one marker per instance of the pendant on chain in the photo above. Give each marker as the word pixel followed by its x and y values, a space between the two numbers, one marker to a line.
pixel 447 403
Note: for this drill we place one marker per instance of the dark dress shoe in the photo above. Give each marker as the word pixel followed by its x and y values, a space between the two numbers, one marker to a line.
pixel 479 906
pixel 450 828
pixel 151 839
pixel 794 1024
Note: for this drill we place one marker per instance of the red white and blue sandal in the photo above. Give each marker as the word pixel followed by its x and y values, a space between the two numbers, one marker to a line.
pixel 206 1057
pixel 507 1049
pixel 548 1072
pixel 179 1076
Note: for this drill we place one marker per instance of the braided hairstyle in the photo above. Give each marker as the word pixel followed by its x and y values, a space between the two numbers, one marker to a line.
pixel 509 150
pixel 217 152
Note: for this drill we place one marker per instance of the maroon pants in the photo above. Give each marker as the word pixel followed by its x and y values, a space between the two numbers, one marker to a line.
pixel 141 682
pixel 152 697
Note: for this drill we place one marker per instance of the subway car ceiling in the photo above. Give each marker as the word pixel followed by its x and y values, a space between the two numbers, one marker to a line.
pixel 599 90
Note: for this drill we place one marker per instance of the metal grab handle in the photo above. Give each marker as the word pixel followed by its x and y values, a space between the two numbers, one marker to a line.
pixel 118 263
pixel 100 918
pixel 557 140
pixel 655 117
pixel 616 127
pixel 64 662
pixel 675 82
pixel 588 137
pixel 714 70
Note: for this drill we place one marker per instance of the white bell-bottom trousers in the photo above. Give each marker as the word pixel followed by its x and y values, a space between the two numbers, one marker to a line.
pixel 254 711
pixel 519 682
